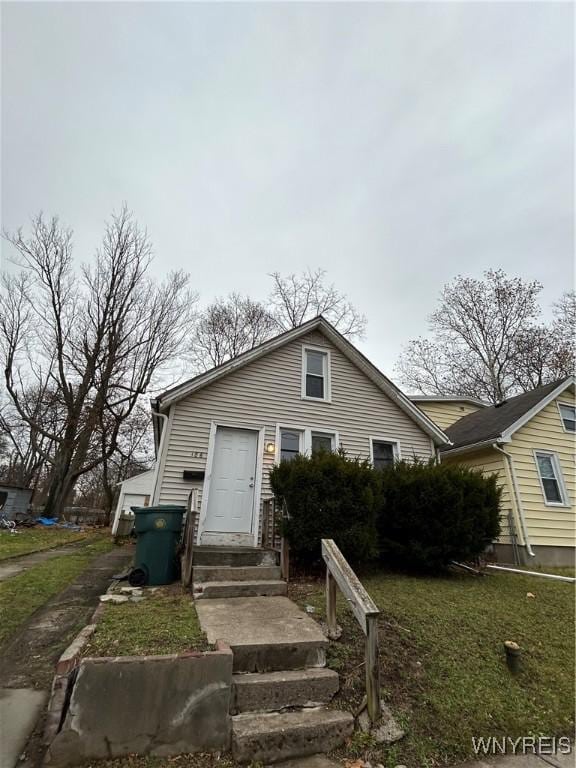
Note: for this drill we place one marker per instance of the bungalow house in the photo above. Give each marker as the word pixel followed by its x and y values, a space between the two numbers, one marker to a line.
pixel 529 441
pixel 306 389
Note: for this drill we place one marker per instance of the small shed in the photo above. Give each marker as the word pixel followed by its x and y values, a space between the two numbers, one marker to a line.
pixel 14 500
pixel 134 492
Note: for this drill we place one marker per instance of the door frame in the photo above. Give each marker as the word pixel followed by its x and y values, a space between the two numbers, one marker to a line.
pixel 255 519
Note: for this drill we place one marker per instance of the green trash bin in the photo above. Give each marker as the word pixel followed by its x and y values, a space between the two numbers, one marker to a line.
pixel 158 531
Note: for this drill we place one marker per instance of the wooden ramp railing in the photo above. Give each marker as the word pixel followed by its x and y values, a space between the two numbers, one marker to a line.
pixel 339 573
pixel 272 538
pixel 187 558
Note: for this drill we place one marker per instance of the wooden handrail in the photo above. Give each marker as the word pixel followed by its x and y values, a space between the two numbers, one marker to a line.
pixel 339 573
pixel 187 559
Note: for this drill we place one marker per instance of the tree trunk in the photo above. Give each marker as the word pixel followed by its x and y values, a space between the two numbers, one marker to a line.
pixel 61 485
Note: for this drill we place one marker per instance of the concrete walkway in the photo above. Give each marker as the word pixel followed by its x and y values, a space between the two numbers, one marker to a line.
pixel 15 565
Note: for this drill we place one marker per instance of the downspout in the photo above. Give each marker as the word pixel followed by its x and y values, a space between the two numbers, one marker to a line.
pixel 517 498
pixel 155 488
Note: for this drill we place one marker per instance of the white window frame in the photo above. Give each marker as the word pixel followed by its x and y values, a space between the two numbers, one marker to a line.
pixel 566 405
pixel 326 372
pixel 559 478
pixel 305 438
pixel 390 440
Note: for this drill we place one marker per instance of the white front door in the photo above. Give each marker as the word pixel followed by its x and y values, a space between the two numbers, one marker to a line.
pixel 232 483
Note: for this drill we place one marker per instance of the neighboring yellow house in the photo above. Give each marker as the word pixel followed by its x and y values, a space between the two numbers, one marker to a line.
pixel 446 409
pixel 530 442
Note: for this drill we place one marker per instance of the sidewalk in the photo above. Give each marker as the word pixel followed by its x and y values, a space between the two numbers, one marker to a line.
pixel 524 761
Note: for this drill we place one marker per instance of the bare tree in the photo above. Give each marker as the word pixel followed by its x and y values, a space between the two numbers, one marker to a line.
pixel 297 298
pixel 133 453
pixel 485 341
pixel 227 328
pixel 95 339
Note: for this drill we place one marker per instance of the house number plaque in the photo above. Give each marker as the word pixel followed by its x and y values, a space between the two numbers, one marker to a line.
pixel 198 455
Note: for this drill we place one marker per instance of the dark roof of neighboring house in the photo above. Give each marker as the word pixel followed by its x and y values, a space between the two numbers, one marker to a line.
pixel 14 487
pixel 491 423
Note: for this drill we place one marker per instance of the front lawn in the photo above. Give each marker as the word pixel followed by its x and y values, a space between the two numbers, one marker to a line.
pixel 28 540
pixel 21 595
pixel 442 663
pixel 165 621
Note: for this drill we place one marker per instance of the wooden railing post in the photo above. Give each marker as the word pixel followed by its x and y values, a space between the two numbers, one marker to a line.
pixel 187 559
pixel 339 573
pixel 331 604
pixel 285 558
pixel 372 669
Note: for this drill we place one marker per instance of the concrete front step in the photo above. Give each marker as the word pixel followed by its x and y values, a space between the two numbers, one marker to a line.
pixel 220 589
pixel 273 691
pixel 234 556
pixel 279 657
pixel 203 573
pixel 271 738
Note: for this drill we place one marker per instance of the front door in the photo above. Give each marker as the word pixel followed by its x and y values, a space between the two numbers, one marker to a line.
pixel 232 486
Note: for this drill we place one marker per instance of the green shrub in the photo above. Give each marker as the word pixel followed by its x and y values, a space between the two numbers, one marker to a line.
pixel 434 513
pixel 328 496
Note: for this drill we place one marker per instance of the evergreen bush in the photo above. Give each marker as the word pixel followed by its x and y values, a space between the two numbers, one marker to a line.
pixel 434 513
pixel 328 496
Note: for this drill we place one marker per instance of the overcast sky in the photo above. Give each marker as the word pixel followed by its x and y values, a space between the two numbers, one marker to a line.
pixel 394 145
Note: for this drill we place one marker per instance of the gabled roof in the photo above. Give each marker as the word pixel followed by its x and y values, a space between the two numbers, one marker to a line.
pixel 173 395
pixel 448 399
pixel 498 422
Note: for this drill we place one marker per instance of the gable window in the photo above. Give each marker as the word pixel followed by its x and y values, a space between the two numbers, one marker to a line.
pixel 384 452
pixel 315 374
pixel 568 415
pixel 551 478
pixel 290 444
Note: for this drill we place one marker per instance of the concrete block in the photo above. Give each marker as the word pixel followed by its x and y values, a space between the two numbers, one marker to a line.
pixel 202 573
pixel 69 659
pixel 273 691
pixel 271 738
pixel 222 589
pixel 157 705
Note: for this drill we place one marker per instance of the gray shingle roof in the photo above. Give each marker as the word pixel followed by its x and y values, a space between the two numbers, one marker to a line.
pixel 488 423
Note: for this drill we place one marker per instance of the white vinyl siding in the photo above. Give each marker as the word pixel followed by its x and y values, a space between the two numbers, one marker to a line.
pixel 268 393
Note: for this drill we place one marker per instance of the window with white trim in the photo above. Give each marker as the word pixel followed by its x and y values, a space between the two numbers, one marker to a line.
pixel 384 453
pixel 315 374
pixel 322 441
pixel 290 443
pixel 307 440
pixel 568 415
pixel 550 477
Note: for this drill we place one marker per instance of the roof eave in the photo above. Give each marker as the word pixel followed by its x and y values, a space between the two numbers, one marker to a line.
pixel 488 443
pixel 519 423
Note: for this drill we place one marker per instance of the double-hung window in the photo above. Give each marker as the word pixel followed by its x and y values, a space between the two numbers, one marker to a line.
pixel 568 416
pixel 384 452
pixel 551 480
pixel 290 443
pixel 322 441
pixel 293 441
pixel 315 374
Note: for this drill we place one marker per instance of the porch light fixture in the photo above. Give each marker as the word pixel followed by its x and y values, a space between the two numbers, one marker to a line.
pixel 270 448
